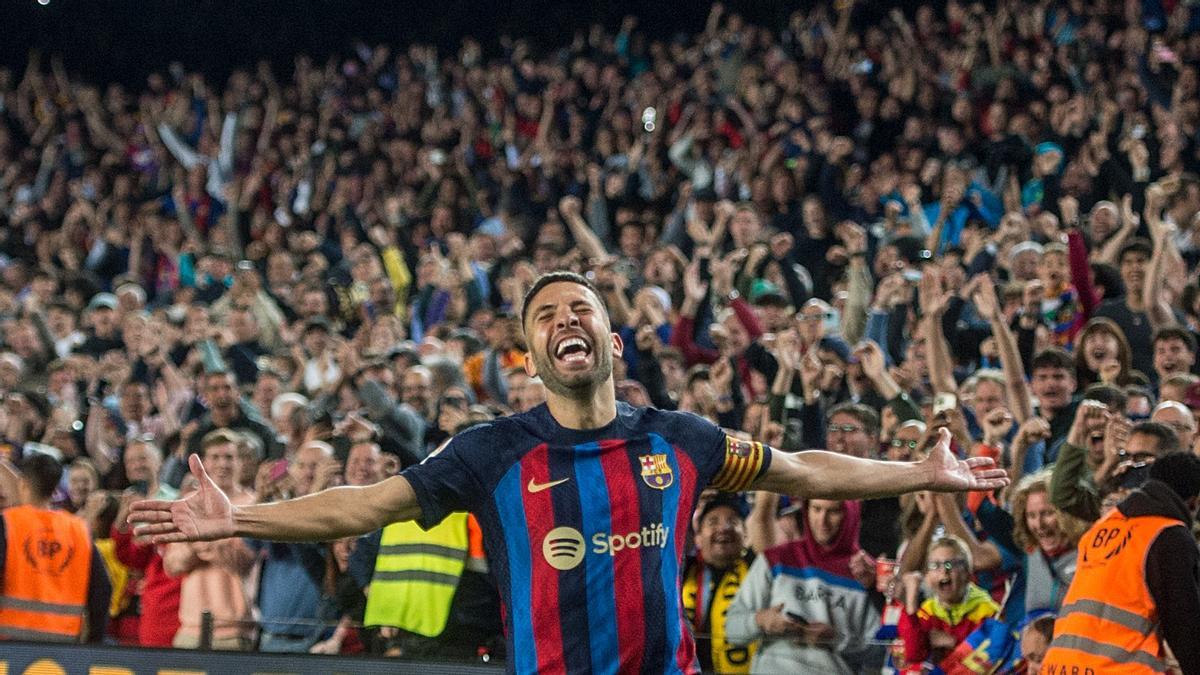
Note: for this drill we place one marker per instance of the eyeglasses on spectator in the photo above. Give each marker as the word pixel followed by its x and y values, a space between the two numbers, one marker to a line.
pixel 948 565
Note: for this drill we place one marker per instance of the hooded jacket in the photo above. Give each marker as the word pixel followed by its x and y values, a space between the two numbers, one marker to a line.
pixel 1172 575
pixel 815 583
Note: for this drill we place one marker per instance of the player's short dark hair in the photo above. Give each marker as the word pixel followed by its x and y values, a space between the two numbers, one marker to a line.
pixel 1180 471
pixel 1175 333
pixel 42 472
pixel 1053 357
pixel 865 415
pixel 1168 440
pixel 553 278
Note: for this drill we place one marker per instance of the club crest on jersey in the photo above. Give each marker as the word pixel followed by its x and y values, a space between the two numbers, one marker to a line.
pixel 656 472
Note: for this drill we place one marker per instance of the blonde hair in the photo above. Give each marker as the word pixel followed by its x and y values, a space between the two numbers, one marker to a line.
pixel 1071 526
pixel 958 545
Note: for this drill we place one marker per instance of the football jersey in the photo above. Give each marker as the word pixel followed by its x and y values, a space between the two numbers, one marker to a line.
pixel 585 529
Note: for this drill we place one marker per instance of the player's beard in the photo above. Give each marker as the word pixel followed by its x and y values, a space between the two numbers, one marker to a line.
pixel 578 385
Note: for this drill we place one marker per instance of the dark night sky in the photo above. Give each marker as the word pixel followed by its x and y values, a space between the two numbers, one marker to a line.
pixel 105 39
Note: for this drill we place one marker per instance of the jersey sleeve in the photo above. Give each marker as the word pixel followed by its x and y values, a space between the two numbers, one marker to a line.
pixel 448 480
pixel 725 462
pixel 742 462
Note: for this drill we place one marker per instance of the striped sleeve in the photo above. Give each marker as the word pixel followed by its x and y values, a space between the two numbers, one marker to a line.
pixel 744 461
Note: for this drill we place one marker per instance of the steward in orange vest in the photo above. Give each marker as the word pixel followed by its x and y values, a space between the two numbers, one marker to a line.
pixel 53 585
pixel 1135 584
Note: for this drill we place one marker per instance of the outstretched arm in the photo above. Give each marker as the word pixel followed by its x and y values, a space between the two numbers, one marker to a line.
pixel 329 514
pixel 817 474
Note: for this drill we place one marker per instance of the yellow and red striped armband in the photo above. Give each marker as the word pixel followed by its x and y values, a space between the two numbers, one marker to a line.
pixel 744 460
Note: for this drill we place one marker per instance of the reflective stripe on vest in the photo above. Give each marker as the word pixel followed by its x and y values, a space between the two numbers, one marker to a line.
pixel 1108 621
pixel 1114 654
pixel 47 565
pixel 416 575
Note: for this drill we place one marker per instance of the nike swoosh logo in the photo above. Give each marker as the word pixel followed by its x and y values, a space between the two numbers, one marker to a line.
pixel 534 487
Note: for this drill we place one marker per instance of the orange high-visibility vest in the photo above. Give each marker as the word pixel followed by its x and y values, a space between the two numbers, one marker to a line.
pixel 1109 622
pixel 47 564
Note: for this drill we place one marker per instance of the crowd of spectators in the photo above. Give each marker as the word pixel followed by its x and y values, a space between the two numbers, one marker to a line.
pixel 836 233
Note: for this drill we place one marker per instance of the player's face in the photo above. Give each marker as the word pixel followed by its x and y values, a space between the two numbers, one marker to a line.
pixel 571 344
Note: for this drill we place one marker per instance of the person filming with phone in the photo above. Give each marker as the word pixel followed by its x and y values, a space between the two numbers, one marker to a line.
pixel 808 600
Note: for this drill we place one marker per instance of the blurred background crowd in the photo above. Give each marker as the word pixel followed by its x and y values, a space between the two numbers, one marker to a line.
pixel 843 231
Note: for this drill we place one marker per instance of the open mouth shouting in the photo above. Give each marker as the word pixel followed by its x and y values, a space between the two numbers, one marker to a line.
pixel 572 352
pixel 946 589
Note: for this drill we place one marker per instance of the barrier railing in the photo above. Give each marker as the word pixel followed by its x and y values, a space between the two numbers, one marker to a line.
pixel 26 658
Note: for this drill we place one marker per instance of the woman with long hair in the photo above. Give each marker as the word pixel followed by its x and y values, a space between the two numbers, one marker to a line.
pixel 1102 354
pixel 1047 537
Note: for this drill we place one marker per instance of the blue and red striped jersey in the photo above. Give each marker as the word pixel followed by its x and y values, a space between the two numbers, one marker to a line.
pixel 585 530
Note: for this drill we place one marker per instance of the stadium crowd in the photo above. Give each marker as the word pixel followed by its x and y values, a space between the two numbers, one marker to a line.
pixel 838 233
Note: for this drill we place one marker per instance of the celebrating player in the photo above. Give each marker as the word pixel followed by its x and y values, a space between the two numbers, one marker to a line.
pixel 584 502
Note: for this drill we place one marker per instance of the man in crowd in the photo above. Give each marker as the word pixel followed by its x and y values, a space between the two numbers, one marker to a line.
pixel 711 580
pixel 293 574
pixel 225 411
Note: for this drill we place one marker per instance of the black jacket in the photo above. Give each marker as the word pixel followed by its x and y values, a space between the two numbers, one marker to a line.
pixel 1172 575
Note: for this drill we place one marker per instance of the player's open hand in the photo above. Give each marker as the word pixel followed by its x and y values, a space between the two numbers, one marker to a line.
pixel 204 515
pixel 951 474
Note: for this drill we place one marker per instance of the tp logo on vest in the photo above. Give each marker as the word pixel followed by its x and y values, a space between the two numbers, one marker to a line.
pixel 47 554
pixel 563 547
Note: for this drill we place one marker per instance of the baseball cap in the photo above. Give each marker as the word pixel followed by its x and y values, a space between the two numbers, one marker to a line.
pixel 730 500
pixel 838 346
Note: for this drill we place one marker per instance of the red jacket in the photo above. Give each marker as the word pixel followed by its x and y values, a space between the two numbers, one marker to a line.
pixel 159 593
pixel 957 620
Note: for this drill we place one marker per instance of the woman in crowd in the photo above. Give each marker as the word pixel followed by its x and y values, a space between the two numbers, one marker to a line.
pixel 1046 539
